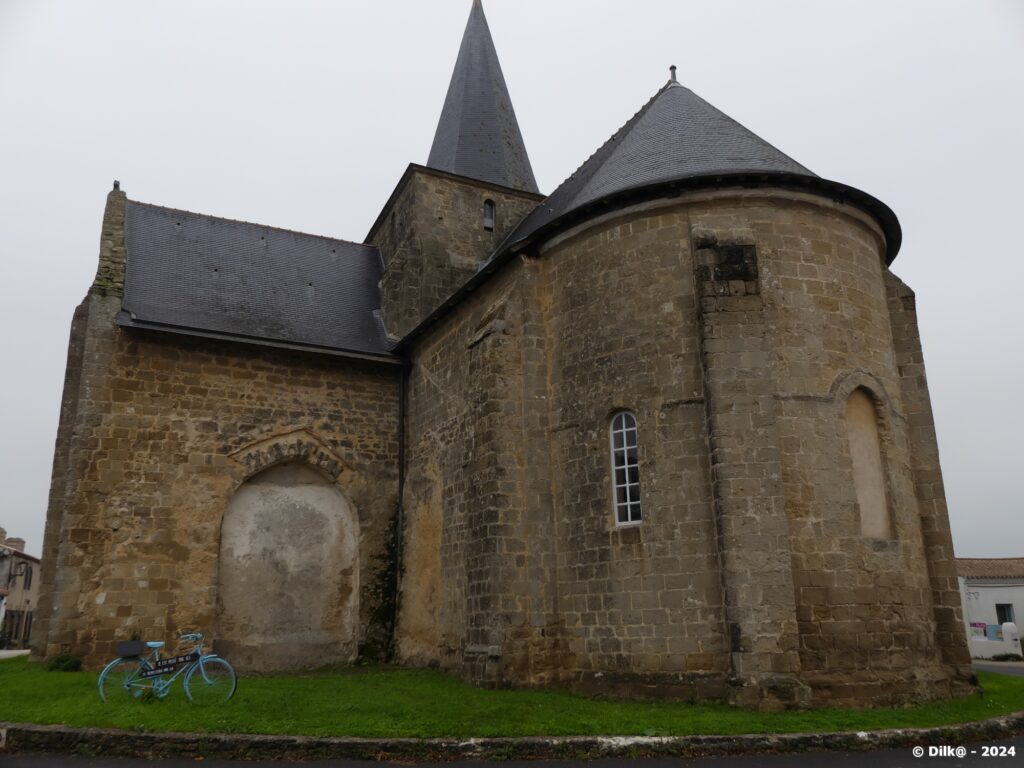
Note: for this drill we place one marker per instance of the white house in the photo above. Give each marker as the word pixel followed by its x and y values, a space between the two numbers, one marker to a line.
pixel 992 591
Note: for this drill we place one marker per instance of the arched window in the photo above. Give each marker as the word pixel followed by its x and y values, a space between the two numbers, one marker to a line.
pixel 868 470
pixel 625 468
pixel 489 215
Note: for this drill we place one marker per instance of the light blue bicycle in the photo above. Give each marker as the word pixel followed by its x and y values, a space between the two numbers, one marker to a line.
pixel 209 679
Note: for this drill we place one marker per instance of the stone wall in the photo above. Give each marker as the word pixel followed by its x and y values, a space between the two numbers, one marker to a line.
pixel 927 474
pixel 641 605
pixel 288 532
pixel 746 472
pixel 866 624
pixel 432 238
pixel 157 432
pixel 734 326
pixel 479 527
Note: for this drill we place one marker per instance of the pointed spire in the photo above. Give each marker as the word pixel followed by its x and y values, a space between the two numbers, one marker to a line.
pixel 478 135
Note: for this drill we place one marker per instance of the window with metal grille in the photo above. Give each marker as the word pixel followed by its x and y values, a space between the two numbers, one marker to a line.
pixel 625 468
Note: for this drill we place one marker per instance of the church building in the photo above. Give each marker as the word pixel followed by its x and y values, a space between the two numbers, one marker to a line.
pixel 663 432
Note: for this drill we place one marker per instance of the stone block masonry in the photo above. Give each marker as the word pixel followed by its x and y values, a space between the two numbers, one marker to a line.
pixel 767 526
pixel 734 326
pixel 433 235
pixel 157 432
pixel 746 475
pixel 927 474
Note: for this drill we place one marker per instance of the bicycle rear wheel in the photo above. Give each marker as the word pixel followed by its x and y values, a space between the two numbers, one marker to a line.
pixel 120 679
pixel 210 681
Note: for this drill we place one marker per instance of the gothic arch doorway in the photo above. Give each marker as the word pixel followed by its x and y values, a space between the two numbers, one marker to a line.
pixel 288 574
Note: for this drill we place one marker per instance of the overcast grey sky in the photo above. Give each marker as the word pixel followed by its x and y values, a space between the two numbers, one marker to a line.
pixel 304 115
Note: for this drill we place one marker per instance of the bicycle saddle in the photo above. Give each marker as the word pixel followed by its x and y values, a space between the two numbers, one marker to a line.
pixel 155 644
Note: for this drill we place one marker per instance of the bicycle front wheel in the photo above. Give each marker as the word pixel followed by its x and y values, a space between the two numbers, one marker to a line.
pixel 120 679
pixel 210 681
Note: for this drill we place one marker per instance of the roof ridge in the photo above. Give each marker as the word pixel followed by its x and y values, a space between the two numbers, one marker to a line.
pixel 252 224
pixel 621 130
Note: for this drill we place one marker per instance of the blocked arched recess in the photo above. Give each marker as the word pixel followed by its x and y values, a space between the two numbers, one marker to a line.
pixel 866 416
pixel 288 565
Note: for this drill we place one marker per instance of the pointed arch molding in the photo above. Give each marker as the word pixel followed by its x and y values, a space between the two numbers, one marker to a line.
pixel 297 445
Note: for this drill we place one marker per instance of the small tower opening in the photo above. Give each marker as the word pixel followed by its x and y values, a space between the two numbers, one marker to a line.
pixel 489 215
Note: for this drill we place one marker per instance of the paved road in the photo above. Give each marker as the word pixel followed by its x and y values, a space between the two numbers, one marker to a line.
pixel 1002 667
pixel 889 758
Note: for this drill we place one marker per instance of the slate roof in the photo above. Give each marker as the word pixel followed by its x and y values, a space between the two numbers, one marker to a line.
pixel 678 138
pixel 478 135
pixel 210 276
pixel 990 567
pixel 675 142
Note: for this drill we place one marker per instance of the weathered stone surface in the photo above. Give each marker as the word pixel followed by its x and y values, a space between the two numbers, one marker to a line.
pixel 157 432
pixel 746 475
pixel 734 326
pixel 924 463
pixel 432 236
pixel 287 575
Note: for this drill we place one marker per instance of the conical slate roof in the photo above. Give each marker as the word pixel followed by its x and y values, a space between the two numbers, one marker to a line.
pixel 678 139
pixel 478 135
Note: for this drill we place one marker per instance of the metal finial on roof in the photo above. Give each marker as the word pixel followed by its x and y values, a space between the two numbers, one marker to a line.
pixel 672 74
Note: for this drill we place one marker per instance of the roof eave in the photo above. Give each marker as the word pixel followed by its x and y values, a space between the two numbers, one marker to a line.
pixel 884 215
pixel 126 320
pixel 748 180
pixel 20 555
pixel 416 167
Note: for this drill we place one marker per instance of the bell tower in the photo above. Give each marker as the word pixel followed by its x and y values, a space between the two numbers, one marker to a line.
pixel 446 217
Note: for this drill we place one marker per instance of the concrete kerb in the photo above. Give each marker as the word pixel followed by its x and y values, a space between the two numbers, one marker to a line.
pixel 17 738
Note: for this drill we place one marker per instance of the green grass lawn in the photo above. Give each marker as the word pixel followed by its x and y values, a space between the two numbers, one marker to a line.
pixel 385 702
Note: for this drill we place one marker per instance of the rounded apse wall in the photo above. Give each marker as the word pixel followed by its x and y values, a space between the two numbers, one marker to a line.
pixel 627 306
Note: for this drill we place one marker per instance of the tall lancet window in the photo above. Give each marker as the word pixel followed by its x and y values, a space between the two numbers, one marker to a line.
pixel 868 469
pixel 625 468
pixel 489 215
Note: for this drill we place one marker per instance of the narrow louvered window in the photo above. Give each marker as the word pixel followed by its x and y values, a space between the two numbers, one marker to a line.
pixel 625 468
pixel 489 215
